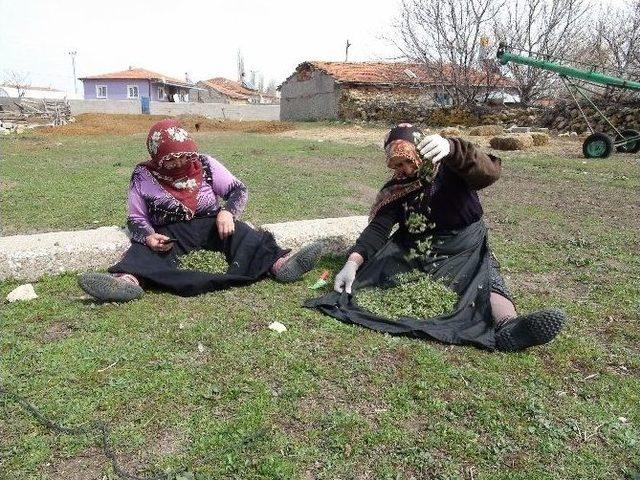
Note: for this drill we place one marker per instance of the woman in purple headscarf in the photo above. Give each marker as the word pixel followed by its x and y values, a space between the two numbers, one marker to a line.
pixel 181 200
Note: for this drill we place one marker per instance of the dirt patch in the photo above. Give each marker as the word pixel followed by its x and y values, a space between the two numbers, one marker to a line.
pixel 107 124
pixel 7 185
pixel 354 135
pixel 57 331
pixel 168 442
pixel 90 465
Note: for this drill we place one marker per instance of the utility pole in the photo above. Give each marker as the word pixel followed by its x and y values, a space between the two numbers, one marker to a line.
pixel 73 65
pixel 346 51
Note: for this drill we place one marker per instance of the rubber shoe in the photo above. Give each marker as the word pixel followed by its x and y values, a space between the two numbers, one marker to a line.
pixel 299 263
pixel 109 288
pixel 525 331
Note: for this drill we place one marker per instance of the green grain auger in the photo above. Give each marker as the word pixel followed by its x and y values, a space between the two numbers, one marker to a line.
pixel 598 144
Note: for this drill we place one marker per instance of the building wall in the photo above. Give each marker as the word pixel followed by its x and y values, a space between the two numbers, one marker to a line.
pixel 221 111
pixel 218 111
pixel 105 106
pixel 311 96
pixel 116 89
pixel 206 96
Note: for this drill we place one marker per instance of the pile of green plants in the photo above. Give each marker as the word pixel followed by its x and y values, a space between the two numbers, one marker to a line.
pixel 413 294
pixel 204 260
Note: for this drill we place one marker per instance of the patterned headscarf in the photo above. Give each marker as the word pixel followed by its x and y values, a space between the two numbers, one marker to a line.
pixel 399 142
pixel 167 140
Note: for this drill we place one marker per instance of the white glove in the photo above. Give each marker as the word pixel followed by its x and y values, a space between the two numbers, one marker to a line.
pixel 434 148
pixel 345 277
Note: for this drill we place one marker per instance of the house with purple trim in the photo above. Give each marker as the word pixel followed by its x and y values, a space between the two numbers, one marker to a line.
pixel 136 83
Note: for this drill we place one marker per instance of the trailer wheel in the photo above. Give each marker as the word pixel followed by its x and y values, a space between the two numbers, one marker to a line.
pixel 632 146
pixel 597 145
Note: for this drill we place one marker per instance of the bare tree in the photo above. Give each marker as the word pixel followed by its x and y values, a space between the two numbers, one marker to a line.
pixel 553 28
pixel 445 35
pixel 271 88
pixel 617 39
pixel 18 80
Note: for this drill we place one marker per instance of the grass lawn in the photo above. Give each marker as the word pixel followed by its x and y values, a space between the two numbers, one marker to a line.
pixel 202 385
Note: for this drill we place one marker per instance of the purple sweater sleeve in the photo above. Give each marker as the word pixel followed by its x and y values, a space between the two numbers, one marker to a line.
pixel 138 219
pixel 227 186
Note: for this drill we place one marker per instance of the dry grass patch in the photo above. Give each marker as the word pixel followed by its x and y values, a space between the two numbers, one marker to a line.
pixel 110 124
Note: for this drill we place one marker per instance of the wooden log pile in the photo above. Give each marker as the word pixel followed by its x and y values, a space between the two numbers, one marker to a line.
pixel 26 111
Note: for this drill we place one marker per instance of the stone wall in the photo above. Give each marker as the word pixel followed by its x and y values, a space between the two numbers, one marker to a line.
pixel 566 117
pixel 419 106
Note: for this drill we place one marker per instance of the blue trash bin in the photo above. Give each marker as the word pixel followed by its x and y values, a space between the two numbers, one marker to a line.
pixel 144 102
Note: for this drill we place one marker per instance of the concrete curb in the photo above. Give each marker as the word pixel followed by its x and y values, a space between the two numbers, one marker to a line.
pixel 29 257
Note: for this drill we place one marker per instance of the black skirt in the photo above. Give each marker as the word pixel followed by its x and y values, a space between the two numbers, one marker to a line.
pixel 461 258
pixel 250 254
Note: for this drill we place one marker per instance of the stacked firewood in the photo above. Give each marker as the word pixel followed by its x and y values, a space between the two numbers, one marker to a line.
pixel 34 111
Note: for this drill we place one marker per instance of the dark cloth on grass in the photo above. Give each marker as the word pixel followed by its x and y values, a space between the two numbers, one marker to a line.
pixel 249 253
pixel 460 257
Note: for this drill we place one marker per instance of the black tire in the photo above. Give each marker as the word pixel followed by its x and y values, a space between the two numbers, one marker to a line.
pixel 597 145
pixel 634 146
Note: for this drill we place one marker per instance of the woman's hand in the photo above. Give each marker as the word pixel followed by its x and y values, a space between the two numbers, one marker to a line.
pixel 434 148
pixel 225 224
pixel 346 276
pixel 158 242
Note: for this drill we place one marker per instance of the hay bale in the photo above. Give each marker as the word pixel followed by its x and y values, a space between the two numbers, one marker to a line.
pixel 539 138
pixel 486 131
pixel 512 142
pixel 451 132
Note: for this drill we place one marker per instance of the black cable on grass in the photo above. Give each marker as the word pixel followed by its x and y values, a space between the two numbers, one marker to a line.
pixel 94 427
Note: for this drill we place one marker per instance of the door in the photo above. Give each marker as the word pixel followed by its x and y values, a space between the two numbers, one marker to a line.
pixel 144 101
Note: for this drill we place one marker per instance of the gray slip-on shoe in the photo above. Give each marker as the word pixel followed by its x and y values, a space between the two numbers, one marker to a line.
pixel 109 288
pixel 299 263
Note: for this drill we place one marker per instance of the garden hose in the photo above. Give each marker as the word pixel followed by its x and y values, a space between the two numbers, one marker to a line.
pixel 94 427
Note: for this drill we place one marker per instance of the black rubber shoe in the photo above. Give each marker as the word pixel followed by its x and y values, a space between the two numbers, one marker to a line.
pixel 109 288
pixel 299 263
pixel 526 331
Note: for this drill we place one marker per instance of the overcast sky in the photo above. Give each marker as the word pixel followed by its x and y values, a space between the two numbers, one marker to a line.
pixel 173 37
pixel 195 36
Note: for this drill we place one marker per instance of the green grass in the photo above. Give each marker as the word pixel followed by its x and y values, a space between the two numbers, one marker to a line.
pixel 326 400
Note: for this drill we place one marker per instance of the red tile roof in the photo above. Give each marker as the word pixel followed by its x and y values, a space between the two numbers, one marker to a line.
pixel 382 73
pixel 230 88
pixel 136 74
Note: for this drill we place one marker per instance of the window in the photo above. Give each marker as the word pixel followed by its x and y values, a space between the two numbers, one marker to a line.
pixel 101 91
pixel 161 93
pixel 132 91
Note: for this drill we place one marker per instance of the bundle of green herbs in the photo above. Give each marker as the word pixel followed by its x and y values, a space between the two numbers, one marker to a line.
pixel 413 294
pixel 204 260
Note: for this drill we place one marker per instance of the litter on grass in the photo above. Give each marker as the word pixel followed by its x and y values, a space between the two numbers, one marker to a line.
pixel 413 294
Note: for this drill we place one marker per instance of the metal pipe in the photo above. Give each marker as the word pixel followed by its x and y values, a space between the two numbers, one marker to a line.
pixel 505 56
